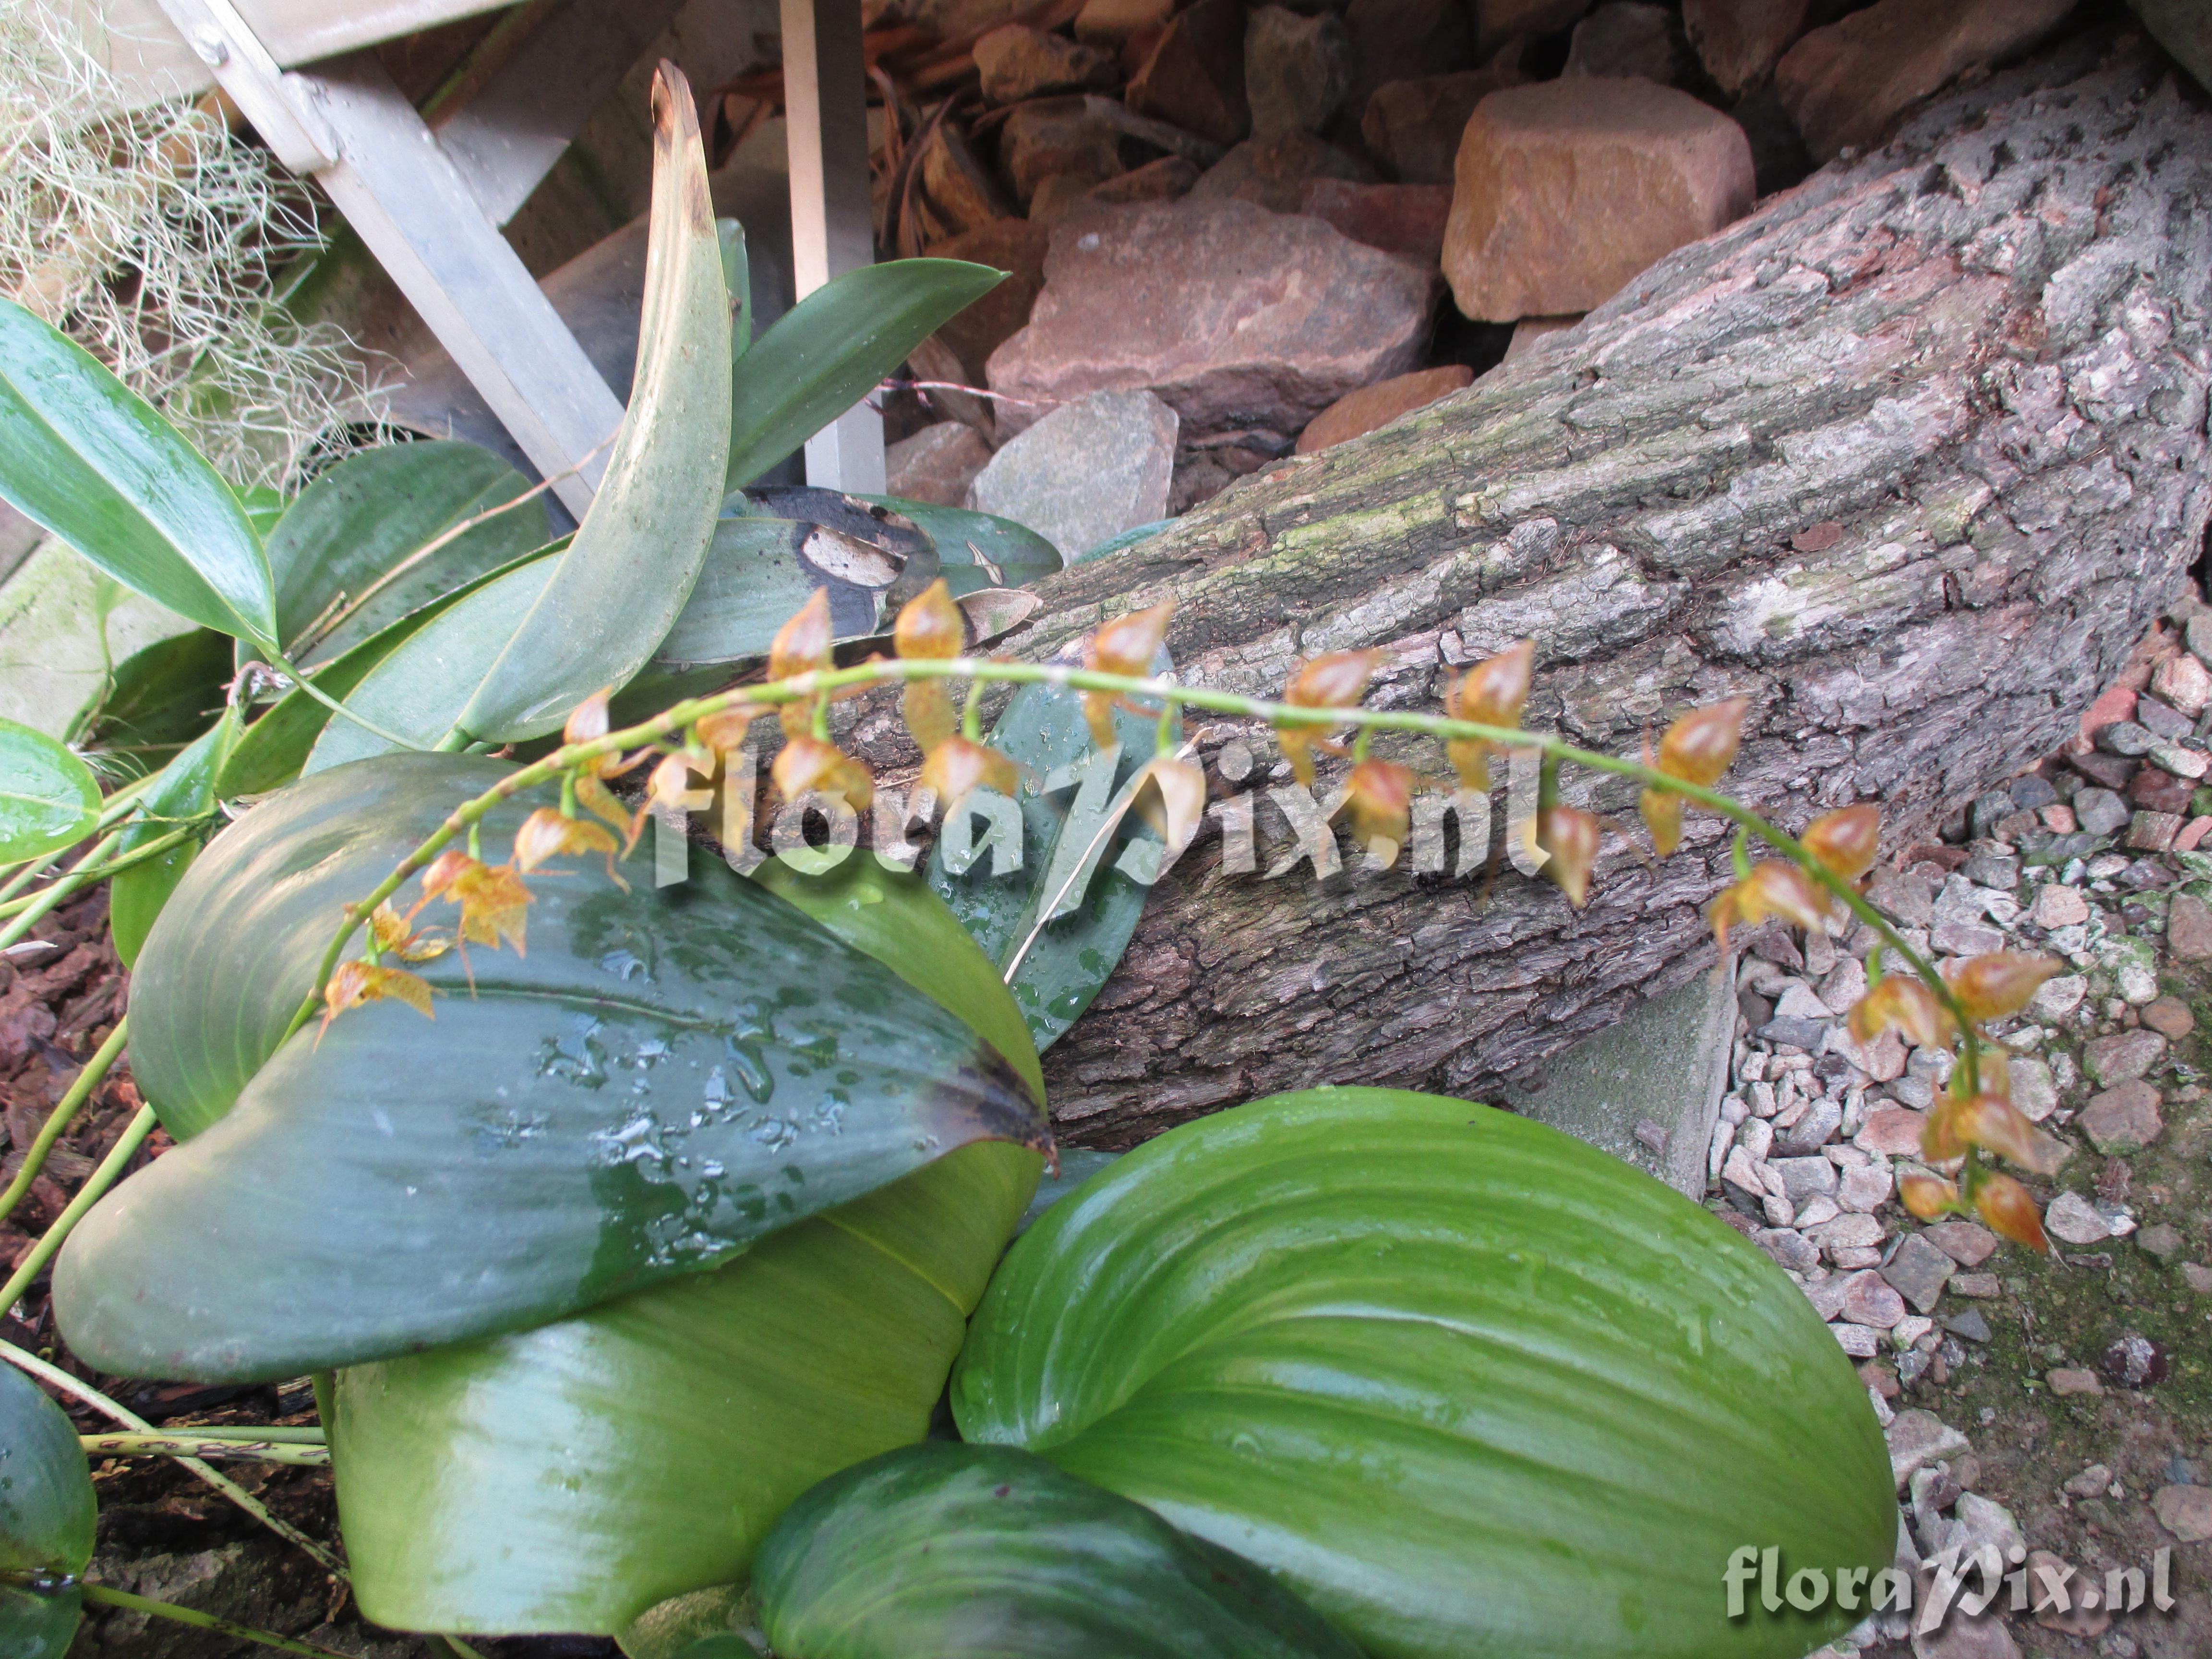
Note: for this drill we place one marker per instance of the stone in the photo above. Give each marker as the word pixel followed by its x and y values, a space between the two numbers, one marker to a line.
pixel 1195 76
pixel 1058 138
pixel 1983 1286
pixel 2185 1511
pixel 1399 40
pixel 1860 1341
pixel 1790 1247
pixel 2055 999
pixel 2072 1379
pixel 1017 63
pixel 1530 332
pixel 2105 771
pixel 1016 248
pixel 1235 316
pixel 1805 1177
pixel 2099 811
pixel 1816 1129
pixel 1864 1189
pixel 1817 1212
pixel 1360 412
pixel 1498 20
pixel 1564 190
pixel 2180 760
pixel 1161 180
pixel 1402 219
pixel 1966 1242
pixel 2057 905
pixel 1086 473
pixel 1740 1182
pixel 1115 22
pixel 2058 818
pixel 960 193
pixel 2170 1017
pixel 2197 1278
pixel 1740 41
pixel 1956 937
pixel 1846 83
pixel 1905 898
pixel 1414 127
pixel 1883 1060
pixel 1992 869
pixel 1918 1438
pixel 2188 929
pixel 2192 834
pixel 1845 983
pixel 937 463
pixel 2122 1057
pixel 1891 1132
pixel 1849 1232
pixel 1623 38
pixel 1868 1301
pixel 2163 1240
pixel 1297 68
pixel 2092 1482
pixel 1917 1270
pixel 2075 1619
pixel 2154 791
pixel 2034 1090
pixel 2163 720
pixel 2184 681
pixel 2073 1219
pixel 2126 739
pixel 2122 1120
pixel 1274 172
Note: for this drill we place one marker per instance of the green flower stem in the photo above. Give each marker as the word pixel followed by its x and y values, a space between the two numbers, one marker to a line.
pixel 193 1445
pixel 95 1186
pixel 89 1077
pixel 890 670
pixel 24 1360
pixel 49 898
pixel 102 1596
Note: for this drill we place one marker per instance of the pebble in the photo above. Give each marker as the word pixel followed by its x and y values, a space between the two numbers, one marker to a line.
pixel 1858 1340
pixel 2066 1381
pixel 2060 906
pixel 1806 1177
pixel 2198 1279
pixel 1891 1132
pixel 1966 938
pixel 2123 1057
pixel 2126 739
pixel 1864 1189
pixel 1815 1212
pixel 2134 1362
pixel 2100 812
pixel 2162 1240
pixel 1982 1286
pixel 2170 1017
pixel 2185 1511
pixel 1790 1247
pixel 1918 1271
pixel 2072 1218
pixel 1814 1128
pixel 2123 1119
pixel 2034 1090
pixel 1966 1242
pixel 1868 1301
pixel 1969 1324
pixel 1918 1438
pixel 2090 1483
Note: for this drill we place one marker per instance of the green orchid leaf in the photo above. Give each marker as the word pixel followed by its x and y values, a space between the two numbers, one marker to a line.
pixel 982 1552
pixel 1143 532
pixel 1470 1386
pixel 46 1521
pixel 159 699
pixel 1062 923
pixel 185 794
pixel 664 1079
pixel 568 1477
pixel 91 461
pixel 49 799
pixel 374 511
pixel 979 549
pixel 830 349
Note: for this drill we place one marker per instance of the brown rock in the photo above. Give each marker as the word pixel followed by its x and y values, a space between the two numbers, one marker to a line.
pixel 1566 189
pixel 1058 138
pixel 2124 1057
pixel 959 191
pixel 1273 173
pixel 1890 1131
pixel 1163 180
pixel 1414 127
pixel 1114 22
pixel 1055 198
pixel 2045 1569
pixel 2170 1017
pixel 1235 316
pixel 2157 791
pixel 1297 70
pixel 1360 412
pixel 937 463
pixel 1017 63
pixel 2153 832
pixel 1016 247
pixel 1407 219
pixel 2122 1120
pixel 1966 1242
pixel 1397 39
pixel 2197 1278
pixel 1740 41
pixel 1497 21
pixel 2188 929
pixel 1530 331
pixel 2067 1381
pixel 1848 82
pixel 1625 37
pixel 1195 76
pixel 2185 1511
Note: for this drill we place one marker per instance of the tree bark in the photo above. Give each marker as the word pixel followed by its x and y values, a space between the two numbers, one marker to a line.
pixel 1911 458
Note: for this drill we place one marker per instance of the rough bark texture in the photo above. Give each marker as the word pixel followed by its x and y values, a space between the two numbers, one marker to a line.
pixel 1912 457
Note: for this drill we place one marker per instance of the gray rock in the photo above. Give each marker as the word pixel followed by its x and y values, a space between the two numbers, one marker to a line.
pixel 2101 812
pixel 1987 812
pixel 1917 1270
pixel 2073 1219
pixel 1814 1130
pixel 1798 1033
pixel 2163 1240
pixel 2032 793
pixel 1955 938
pixel 2126 739
pixel 1625 38
pixel 1296 70
pixel 1790 1247
pixel 1805 1177
pixel 1086 473
pixel 1907 899
pixel 1918 1438
pixel 1990 870
pixel 2162 720
pixel 1971 1324
pixel 2033 1089
pixel 2123 1057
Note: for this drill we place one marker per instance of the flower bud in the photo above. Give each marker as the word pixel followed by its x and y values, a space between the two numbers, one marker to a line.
pixel 547 834
pixel 1336 679
pixel 931 625
pixel 1845 841
pixel 1569 837
pixel 1902 1003
pixel 806 762
pixel 1379 796
pixel 724 731
pixel 2002 982
pixel 1992 1121
pixel 801 646
pixel 1491 693
pixel 2010 1211
pixel 1661 812
pixel 960 765
pixel 1927 1196
pixel 1702 744
pixel 1770 890
pixel 1170 796
pixel 1126 645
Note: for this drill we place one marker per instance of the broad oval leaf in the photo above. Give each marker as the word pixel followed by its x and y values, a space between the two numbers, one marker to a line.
pixel 158 700
pixel 46 1521
pixel 665 1078
pixel 829 350
pixel 182 796
pixel 49 799
pixel 375 510
pixel 980 1552
pixel 91 461
pixel 979 549
pixel 566 1478
pixel 1471 1387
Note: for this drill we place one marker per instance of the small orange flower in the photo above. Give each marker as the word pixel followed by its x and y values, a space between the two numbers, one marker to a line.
pixel 1491 693
pixel 1902 1003
pixel 1697 748
pixel 1170 796
pixel 2002 982
pixel 724 731
pixel 1770 890
pixel 1125 645
pixel 1336 679
pixel 546 834
pixel 1992 1121
pixel 808 763
pixel 355 982
pixel 1927 1196
pixel 1379 795
pixel 959 765
pixel 396 937
pixel 493 898
pixel 1847 841
pixel 603 804
pixel 930 624
pixel 2010 1212
pixel 1569 837
pixel 801 646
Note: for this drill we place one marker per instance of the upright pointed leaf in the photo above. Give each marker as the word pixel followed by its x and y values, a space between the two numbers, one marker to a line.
pixel 829 350
pixel 46 1521
pixel 1474 1390
pixel 48 797
pixel 160 698
pixel 183 797
pixel 981 1551
pixel 665 1078
pixel 91 461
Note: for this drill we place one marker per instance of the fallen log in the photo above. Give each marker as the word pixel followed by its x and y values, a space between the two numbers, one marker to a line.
pixel 1912 457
